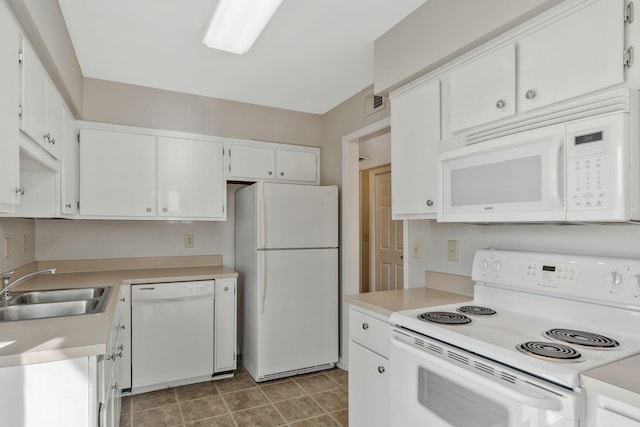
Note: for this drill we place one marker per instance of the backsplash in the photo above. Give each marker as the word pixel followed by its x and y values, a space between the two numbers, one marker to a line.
pixel 17 229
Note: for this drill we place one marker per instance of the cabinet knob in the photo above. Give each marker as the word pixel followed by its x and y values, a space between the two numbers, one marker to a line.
pixel 429 202
pixel 226 288
pixel 121 347
pixel 365 326
pixel 530 94
pixel 52 141
pixel 46 136
pixel 114 386
pixel 148 209
pixel 20 190
pixel 123 299
pixel 122 327
pixel 270 173
pixel 500 104
pixel 381 369
pixel 164 209
pixel 281 173
pixel 68 206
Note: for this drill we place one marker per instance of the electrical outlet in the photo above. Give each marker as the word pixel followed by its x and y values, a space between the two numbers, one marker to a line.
pixel 7 247
pixel 452 250
pixel 188 241
pixel 416 249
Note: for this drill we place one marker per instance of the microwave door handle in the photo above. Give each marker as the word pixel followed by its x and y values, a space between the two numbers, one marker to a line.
pixel 557 184
pixel 450 371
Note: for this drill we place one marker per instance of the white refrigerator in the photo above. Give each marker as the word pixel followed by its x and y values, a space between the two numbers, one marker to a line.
pixel 287 259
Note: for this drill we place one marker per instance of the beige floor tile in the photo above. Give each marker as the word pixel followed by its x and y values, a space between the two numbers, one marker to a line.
pixel 244 399
pixel 164 416
pixel 298 409
pixel 221 421
pixel 342 417
pixel 239 382
pixel 153 399
pixel 196 391
pixel 206 407
pixel 333 400
pixel 321 421
pixel 283 390
pixel 264 416
pixel 340 376
pixel 316 383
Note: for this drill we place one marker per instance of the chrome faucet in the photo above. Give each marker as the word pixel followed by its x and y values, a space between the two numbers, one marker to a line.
pixel 6 285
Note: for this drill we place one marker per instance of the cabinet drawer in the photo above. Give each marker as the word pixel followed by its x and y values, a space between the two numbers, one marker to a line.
pixel 369 332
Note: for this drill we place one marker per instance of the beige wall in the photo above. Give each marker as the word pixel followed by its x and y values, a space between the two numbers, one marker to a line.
pixel 440 30
pixel 44 26
pixel 120 103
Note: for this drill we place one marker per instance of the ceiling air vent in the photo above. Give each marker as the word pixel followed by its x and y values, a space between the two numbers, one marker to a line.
pixel 373 103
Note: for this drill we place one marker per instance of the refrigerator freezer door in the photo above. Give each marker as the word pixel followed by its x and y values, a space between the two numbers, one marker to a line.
pixel 297 216
pixel 298 310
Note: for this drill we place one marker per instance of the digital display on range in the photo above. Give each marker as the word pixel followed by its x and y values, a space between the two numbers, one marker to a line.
pixel 551 268
pixel 583 139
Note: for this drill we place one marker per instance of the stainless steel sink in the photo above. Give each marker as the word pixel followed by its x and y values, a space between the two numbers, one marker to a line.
pixel 57 295
pixel 55 303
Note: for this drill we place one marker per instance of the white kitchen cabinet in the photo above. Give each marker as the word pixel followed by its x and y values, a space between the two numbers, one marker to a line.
pixel 41 104
pixel 225 329
pixel 274 162
pixel 415 134
pixel 368 369
pixel 69 168
pixel 191 181
pixel 483 90
pixel 9 122
pixel 124 370
pixel 572 56
pixel 117 174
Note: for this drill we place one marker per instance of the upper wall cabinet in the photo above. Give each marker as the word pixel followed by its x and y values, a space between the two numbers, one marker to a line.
pixel 415 133
pixel 274 162
pixel 572 56
pixel 121 173
pixel 9 123
pixel 190 178
pixel 483 90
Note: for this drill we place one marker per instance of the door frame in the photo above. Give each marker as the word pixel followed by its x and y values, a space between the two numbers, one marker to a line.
pixel 350 225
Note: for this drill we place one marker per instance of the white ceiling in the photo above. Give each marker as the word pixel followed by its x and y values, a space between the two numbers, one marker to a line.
pixel 313 55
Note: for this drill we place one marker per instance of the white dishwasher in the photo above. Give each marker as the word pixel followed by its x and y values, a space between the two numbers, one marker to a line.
pixel 172 334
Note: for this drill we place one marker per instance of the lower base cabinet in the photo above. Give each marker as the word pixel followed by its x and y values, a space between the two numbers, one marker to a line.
pixel 603 411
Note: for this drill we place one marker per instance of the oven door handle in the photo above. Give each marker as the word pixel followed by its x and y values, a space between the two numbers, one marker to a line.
pixel 450 370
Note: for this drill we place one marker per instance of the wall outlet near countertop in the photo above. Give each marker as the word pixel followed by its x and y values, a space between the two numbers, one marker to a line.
pixel 416 249
pixel 452 250
pixel 189 241
pixel 7 247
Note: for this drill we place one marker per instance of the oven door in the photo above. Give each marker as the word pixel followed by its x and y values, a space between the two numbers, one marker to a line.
pixel 437 386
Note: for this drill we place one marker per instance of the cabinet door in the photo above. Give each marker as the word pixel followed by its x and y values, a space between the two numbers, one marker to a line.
pixel 576 55
pixel 225 325
pixel 9 101
pixel 117 174
pixel 415 133
pixel 190 179
pixel 368 387
pixel 251 162
pixel 483 90
pixel 69 168
pixel 34 96
pixel 54 141
pixel 298 166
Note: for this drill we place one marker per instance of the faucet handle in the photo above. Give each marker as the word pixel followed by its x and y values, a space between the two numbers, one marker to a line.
pixel 7 274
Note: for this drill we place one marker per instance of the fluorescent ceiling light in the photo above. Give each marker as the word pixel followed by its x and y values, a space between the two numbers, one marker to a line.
pixel 236 24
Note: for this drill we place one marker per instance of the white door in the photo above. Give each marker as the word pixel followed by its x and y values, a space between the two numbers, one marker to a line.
pixel 296 165
pixel 297 216
pixel 117 174
pixel 190 178
pixel 297 309
pixel 69 168
pixel 54 142
pixel 225 330
pixel 251 162
pixel 34 90
pixel 573 56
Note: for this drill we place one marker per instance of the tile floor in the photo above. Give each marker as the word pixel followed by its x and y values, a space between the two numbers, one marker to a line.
pixel 314 400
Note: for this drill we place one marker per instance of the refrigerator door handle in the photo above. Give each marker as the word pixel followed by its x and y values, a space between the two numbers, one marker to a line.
pixel 263 277
pixel 263 212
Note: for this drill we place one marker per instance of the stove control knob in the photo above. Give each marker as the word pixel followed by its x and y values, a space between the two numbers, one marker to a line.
pixel 615 279
pixel 497 265
pixel 484 264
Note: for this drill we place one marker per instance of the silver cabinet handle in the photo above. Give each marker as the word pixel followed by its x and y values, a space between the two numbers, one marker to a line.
pixel 68 206
pixel 114 386
pixel 381 369
pixel 365 326
pixel 500 104
pixel 148 209
pixel 281 173
pixel 226 288
pixel 20 190
pixel 270 173
pixel 123 299
pixel 429 202
pixel 530 94
pixel 52 141
pixel 121 347
pixel 122 327
pixel 46 136
pixel 164 209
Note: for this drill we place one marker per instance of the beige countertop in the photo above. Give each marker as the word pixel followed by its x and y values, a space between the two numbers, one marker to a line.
pixel 386 302
pixel 619 380
pixel 45 340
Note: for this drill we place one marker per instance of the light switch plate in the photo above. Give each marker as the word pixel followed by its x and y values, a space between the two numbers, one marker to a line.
pixel 189 241
pixel 452 250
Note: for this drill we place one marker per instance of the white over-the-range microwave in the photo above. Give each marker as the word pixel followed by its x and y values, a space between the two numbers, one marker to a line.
pixel 582 164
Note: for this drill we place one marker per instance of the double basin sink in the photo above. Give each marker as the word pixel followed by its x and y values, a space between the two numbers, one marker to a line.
pixel 55 303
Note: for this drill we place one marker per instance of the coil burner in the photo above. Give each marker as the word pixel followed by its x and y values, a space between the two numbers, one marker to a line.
pixel 582 338
pixel 445 317
pixel 476 310
pixel 549 351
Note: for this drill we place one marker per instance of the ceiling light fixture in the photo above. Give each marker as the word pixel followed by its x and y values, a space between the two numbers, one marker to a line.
pixel 236 24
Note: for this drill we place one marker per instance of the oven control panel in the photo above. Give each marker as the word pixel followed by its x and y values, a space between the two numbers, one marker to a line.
pixel 546 272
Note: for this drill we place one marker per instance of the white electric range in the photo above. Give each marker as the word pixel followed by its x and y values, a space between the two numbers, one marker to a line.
pixel 513 356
